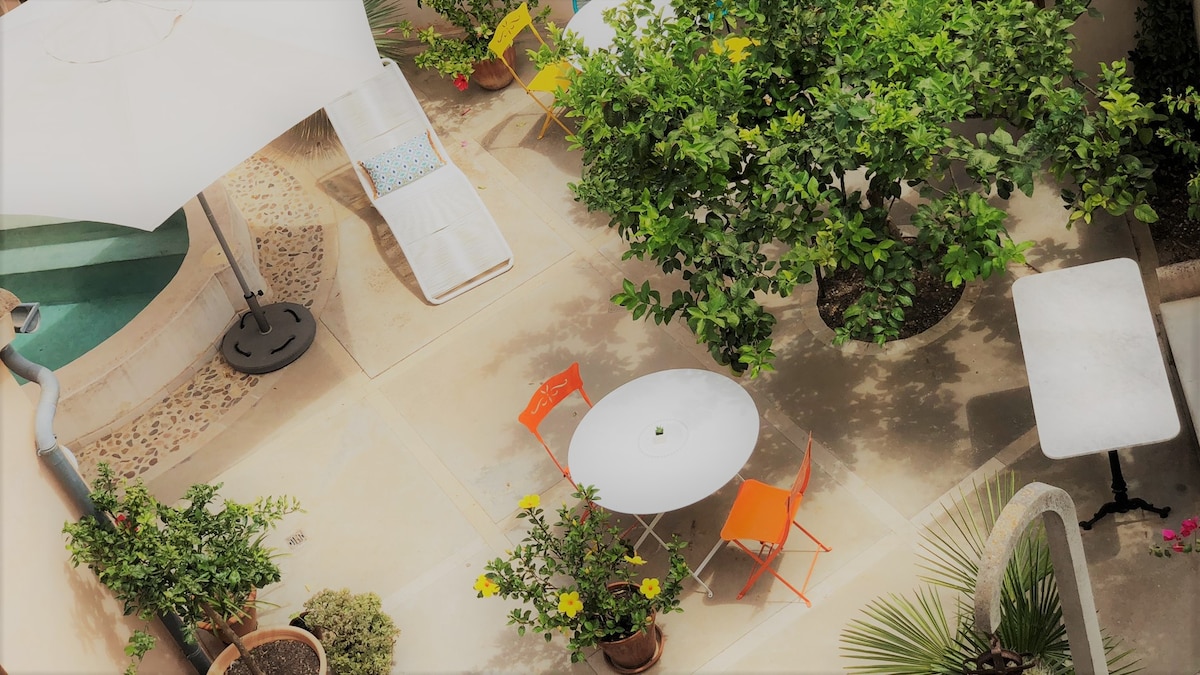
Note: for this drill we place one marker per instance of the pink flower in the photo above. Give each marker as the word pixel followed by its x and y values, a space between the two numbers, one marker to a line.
pixel 1189 526
pixel 1168 535
pixel 460 81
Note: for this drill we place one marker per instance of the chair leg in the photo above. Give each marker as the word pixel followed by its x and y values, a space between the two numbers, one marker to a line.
pixel 550 116
pixel 765 566
pixel 824 548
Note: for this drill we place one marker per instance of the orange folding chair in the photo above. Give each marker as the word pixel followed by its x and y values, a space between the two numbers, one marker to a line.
pixel 548 80
pixel 766 514
pixel 550 394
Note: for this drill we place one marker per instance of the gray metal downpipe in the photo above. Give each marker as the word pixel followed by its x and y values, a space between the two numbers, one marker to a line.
pixel 56 457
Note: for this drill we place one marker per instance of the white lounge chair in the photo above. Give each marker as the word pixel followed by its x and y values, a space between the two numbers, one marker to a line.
pixel 447 234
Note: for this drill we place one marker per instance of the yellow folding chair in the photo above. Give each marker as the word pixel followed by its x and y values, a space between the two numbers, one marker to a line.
pixel 548 79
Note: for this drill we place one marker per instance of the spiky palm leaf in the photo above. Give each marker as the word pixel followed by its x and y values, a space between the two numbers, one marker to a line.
pixel 387 27
pixel 903 636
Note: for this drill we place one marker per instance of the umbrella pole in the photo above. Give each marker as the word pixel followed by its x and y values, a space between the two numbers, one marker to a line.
pixel 262 345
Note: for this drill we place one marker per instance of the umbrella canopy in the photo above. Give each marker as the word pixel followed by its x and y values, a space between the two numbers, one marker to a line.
pixel 120 111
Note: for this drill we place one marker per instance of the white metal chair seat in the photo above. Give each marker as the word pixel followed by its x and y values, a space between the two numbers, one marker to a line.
pixel 448 236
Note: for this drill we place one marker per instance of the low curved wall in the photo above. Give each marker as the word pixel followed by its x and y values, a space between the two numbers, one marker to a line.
pixel 169 340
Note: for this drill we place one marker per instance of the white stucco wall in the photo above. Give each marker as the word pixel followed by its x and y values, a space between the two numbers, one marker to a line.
pixel 54 619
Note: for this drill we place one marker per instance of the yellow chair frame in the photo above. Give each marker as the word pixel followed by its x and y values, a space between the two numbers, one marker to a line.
pixel 549 79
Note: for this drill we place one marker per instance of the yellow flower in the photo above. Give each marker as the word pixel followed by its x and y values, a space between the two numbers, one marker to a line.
pixel 650 588
pixel 635 560
pixel 529 502
pixel 569 604
pixel 486 586
pixel 735 45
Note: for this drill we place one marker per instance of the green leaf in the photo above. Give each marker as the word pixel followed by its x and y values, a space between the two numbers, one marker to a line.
pixel 1145 213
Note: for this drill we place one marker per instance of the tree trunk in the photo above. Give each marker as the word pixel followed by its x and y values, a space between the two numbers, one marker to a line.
pixel 877 201
pixel 232 637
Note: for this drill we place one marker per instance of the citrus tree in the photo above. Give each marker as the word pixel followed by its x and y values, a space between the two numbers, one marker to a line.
pixel 195 561
pixel 748 147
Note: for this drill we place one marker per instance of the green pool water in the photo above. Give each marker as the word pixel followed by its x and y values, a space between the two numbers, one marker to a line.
pixel 91 279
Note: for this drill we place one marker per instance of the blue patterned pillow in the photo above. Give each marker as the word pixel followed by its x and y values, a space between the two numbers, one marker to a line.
pixel 403 164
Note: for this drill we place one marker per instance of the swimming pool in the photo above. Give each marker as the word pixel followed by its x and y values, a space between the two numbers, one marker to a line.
pixel 91 279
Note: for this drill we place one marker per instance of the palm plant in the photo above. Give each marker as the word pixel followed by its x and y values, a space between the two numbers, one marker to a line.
pixel 915 635
pixel 387 27
pixel 313 134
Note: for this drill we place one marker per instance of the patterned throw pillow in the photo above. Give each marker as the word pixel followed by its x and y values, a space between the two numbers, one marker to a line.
pixel 403 164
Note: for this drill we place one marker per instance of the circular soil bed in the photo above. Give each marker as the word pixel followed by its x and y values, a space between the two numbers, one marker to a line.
pixel 282 657
pixel 934 300
pixel 1176 238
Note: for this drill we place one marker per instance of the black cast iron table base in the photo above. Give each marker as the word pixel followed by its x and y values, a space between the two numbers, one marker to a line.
pixel 1121 502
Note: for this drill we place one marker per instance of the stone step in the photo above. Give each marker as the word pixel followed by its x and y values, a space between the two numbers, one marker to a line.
pixel 60 246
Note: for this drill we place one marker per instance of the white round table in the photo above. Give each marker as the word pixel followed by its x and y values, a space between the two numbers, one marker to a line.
pixel 588 22
pixel 709 426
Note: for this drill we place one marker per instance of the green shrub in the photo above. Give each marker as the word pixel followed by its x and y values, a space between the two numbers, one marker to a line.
pixel 1166 57
pixel 357 635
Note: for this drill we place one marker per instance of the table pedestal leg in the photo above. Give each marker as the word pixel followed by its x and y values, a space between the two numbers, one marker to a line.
pixel 650 532
pixel 1121 502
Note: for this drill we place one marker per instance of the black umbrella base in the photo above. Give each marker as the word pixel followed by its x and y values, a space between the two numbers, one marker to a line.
pixel 249 350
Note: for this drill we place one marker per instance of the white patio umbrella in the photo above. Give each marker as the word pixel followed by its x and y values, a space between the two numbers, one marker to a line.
pixel 120 111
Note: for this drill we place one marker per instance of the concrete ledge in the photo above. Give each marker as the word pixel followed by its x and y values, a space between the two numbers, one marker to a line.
pixel 1181 319
pixel 1178 281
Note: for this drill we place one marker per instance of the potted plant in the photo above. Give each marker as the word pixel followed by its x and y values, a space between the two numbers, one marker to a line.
pixel 192 560
pixel 357 635
pixel 580 577
pixel 752 151
pixel 932 630
pixel 464 52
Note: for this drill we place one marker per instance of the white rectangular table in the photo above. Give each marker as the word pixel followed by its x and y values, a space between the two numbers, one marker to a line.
pixel 1096 373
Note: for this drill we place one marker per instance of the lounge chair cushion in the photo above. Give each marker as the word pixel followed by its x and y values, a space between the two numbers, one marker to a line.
pixel 393 169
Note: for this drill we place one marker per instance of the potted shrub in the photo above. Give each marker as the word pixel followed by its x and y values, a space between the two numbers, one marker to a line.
pixel 357 635
pixel 195 561
pixel 580 577
pixel 464 52
pixel 752 149
pixel 932 630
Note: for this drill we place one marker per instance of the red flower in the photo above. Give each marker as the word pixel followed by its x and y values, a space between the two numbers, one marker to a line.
pixel 460 81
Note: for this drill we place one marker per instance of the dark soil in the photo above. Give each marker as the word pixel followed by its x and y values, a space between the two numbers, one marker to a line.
pixel 281 657
pixel 1176 238
pixel 933 301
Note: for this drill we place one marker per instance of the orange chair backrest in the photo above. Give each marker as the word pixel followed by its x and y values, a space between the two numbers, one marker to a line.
pixel 553 391
pixel 516 21
pixel 799 485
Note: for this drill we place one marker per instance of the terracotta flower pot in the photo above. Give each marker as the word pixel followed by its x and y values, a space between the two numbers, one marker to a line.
pixel 492 74
pixel 243 624
pixel 638 652
pixel 261 637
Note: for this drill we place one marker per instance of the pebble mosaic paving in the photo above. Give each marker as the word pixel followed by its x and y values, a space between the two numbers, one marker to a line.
pixel 290 232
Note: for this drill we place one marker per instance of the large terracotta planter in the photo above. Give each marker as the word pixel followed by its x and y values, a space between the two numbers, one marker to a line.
pixel 261 637
pixel 492 74
pixel 243 624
